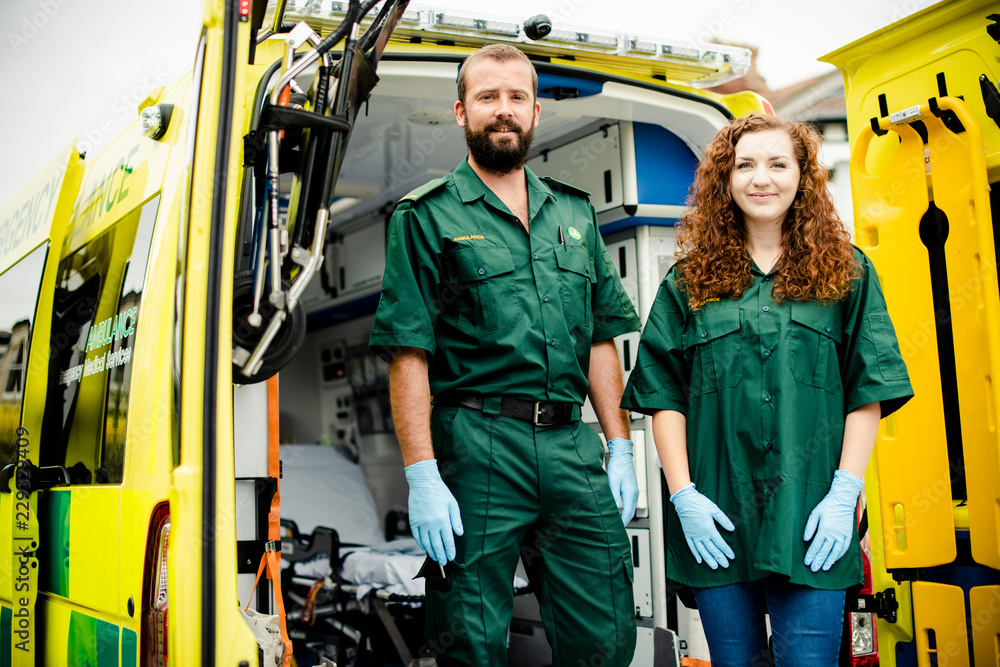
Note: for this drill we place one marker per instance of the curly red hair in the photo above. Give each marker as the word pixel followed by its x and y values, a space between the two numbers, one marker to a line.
pixel 817 260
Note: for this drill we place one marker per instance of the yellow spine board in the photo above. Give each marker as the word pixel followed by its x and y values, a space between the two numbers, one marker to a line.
pixel 888 634
pixel 914 484
pixel 984 609
pixel 958 174
pixel 939 625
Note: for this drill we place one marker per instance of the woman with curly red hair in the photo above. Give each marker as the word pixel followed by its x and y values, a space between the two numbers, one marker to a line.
pixel 767 361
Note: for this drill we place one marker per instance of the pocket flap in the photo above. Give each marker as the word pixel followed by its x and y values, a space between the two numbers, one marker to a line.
pixel 823 318
pixel 575 259
pixel 712 322
pixel 481 262
pixel 628 566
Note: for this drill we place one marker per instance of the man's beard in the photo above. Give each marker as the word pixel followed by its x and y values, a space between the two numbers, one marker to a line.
pixel 499 157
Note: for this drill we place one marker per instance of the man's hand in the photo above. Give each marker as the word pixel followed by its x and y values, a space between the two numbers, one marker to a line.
pixel 698 515
pixel 621 477
pixel 833 523
pixel 434 515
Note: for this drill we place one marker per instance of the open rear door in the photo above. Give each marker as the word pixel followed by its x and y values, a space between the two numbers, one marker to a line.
pixel 32 228
pixel 924 118
pixel 205 625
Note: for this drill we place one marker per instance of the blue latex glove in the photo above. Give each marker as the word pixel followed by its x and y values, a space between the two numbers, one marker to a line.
pixel 621 477
pixel 833 523
pixel 698 515
pixel 434 512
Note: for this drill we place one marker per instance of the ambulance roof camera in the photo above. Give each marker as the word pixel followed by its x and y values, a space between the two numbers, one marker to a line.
pixel 538 26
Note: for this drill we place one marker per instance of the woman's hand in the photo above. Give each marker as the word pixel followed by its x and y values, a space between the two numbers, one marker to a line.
pixel 698 515
pixel 833 523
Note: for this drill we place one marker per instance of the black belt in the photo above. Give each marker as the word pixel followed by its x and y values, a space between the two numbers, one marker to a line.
pixel 540 413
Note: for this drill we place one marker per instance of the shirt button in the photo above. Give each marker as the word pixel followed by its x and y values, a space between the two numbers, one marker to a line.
pixel 827 328
pixel 767 353
pixel 767 399
pixel 768 446
pixel 767 493
pixel 766 308
pixel 545 298
pixel 704 334
pixel 482 271
pixel 534 256
pixel 767 278
pixel 552 342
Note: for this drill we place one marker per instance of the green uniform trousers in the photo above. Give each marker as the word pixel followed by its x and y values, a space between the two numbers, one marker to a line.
pixel 541 493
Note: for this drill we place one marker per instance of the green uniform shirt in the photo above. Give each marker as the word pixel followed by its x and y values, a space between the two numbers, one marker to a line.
pixel 500 310
pixel 766 387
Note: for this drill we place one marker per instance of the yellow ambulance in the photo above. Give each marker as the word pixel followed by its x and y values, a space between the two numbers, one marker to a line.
pixel 923 115
pixel 185 315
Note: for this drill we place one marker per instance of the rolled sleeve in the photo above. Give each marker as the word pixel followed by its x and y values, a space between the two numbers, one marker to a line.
pixel 659 380
pixel 613 311
pixel 406 309
pixel 873 369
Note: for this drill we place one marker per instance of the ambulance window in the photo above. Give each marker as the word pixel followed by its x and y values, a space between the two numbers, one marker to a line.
pixel 97 308
pixel 19 286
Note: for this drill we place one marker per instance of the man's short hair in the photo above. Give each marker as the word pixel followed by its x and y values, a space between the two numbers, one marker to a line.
pixel 502 53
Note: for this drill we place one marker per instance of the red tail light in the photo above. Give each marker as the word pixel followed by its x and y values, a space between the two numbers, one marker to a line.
pixel 154 590
pixel 864 637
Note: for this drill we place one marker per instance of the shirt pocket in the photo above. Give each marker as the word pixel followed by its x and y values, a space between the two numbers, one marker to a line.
pixel 714 342
pixel 815 334
pixel 576 278
pixel 487 293
pixel 883 337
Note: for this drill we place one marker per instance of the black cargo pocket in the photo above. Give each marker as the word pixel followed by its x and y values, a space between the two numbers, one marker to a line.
pixel 714 339
pixel 487 294
pixel 576 275
pixel 814 336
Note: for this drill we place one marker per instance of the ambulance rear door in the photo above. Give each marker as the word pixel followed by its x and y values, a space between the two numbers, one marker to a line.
pixel 32 228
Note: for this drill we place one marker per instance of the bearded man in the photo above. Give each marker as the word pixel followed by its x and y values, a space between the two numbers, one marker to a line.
pixel 500 301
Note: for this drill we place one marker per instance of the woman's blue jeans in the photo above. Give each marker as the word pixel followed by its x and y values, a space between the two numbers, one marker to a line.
pixel 806 623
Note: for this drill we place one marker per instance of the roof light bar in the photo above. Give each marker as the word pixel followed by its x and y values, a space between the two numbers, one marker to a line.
pixel 642 46
pixel 683 63
pixel 452 20
pixel 594 39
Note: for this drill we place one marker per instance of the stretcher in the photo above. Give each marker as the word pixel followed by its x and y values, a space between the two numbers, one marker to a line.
pixel 350 591
pixel 353 594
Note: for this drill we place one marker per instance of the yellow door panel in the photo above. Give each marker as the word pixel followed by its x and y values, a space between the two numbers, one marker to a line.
pixel 939 625
pixel 890 197
pixel 93 535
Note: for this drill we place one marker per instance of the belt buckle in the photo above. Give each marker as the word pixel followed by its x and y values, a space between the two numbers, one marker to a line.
pixel 534 417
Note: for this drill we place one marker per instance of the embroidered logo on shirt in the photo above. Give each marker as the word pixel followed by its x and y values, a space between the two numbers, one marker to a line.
pixel 572 232
pixel 466 238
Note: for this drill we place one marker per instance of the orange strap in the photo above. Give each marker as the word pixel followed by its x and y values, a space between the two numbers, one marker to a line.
pixel 272 558
pixel 273 463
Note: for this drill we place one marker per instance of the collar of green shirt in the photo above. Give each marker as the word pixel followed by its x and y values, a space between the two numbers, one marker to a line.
pixel 470 188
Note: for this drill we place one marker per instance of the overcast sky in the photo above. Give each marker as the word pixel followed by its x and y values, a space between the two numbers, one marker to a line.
pixel 77 69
